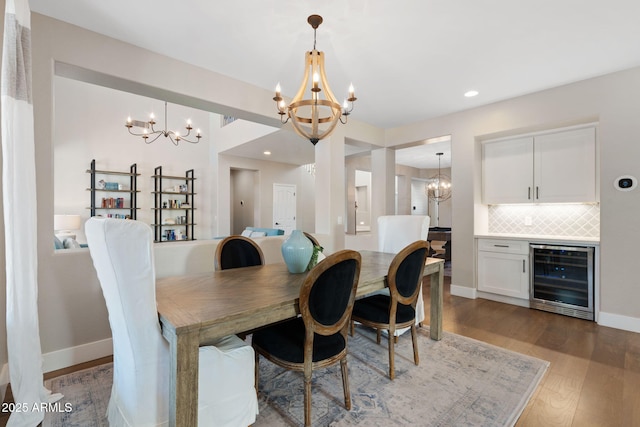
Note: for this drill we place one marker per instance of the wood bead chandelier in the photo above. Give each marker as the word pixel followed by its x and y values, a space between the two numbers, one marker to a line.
pixel 314 118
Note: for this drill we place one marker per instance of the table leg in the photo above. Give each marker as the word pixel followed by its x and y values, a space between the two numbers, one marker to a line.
pixel 437 280
pixel 183 383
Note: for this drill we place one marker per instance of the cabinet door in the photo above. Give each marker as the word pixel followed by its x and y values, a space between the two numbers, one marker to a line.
pixel 507 171
pixel 503 274
pixel 565 166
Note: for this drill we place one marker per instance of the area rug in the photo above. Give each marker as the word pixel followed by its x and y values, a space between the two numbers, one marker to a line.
pixel 459 382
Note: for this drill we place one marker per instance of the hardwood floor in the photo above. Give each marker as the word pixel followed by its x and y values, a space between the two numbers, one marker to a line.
pixel 594 376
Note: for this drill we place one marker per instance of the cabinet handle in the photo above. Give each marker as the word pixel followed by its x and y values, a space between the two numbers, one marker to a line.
pixel 537 192
pixel 523 270
pixel 528 193
pixel 501 246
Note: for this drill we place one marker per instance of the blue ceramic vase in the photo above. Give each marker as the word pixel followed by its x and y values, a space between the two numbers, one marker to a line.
pixel 297 251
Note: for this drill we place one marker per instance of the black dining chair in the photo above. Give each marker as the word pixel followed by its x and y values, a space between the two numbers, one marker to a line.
pixel 317 338
pixel 312 238
pixel 236 252
pixel 398 309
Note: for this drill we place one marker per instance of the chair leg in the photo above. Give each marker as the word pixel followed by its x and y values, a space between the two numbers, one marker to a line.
pixel 414 339
pixel 345 383
pixel 257 370
pixel 353 325
pixel 392 369
pixel 378 334
pixel 307 400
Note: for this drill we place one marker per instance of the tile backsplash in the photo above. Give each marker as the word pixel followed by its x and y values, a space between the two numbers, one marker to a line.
pixel 548 220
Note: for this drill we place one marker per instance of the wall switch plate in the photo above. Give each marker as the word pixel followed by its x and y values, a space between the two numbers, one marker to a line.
pixel 528 220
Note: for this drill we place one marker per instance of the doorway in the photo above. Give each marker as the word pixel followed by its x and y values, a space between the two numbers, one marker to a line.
pixel 244 209
pixel 284 207
pixel 363 201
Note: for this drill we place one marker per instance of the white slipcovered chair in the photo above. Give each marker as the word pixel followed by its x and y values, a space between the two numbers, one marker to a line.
pixel 395 232
pixel 122 253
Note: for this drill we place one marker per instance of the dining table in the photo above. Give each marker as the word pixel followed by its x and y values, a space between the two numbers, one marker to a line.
pixel 195 310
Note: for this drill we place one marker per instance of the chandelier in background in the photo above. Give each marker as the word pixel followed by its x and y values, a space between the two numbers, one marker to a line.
pixel 149 134
pixel 316 117
pixel 439 186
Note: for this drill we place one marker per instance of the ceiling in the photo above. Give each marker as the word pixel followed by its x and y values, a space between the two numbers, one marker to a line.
pixel 407 63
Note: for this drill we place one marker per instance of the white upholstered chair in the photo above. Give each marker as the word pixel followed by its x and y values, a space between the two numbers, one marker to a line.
pixel 395 232
pixel 122 253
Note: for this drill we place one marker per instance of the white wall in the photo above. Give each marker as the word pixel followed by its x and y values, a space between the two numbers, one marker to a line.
pixel 606 100
pixel 89 124
pixel 268 174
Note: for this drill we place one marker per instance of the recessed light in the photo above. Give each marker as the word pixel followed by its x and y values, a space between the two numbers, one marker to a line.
pixel 471 93
pixel 267 153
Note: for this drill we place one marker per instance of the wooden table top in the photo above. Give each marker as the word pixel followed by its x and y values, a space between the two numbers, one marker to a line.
pixel 223 297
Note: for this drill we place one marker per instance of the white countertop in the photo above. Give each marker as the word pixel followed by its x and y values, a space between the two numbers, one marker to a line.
pixel 564 240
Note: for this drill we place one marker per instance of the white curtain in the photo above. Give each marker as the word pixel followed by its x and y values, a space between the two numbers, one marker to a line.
pixel 20 220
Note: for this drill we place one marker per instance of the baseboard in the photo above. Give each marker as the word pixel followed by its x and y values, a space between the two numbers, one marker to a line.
pixel 463 291
pixel 618 321
pixel 74 355
pixel 505 299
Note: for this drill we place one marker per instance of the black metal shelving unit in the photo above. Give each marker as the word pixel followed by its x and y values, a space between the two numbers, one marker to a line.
pixel 132 191
pixel 172 202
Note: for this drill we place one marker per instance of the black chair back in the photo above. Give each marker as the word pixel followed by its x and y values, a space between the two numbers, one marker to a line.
pixel 408 276
pixel 328 293
pixel 236 252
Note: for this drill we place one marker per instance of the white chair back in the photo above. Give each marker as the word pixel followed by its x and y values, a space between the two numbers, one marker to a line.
pixel 123 256
pixel 122 253
pixel 395 232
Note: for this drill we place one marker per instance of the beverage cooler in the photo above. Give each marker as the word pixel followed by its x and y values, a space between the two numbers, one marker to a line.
pixel 562 280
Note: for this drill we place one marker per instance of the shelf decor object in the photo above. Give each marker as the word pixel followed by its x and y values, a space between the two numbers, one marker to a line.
pixel 297 251
pixel 114 207
pixel 173 206
pixel 148 131
pixel 316 117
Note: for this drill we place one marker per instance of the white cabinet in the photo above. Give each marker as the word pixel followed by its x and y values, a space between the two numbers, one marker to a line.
pixel 503 267
pixel 507 168
pixel 557 167
pixel 564 166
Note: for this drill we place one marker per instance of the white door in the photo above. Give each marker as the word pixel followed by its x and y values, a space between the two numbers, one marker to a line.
pixel 284 207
